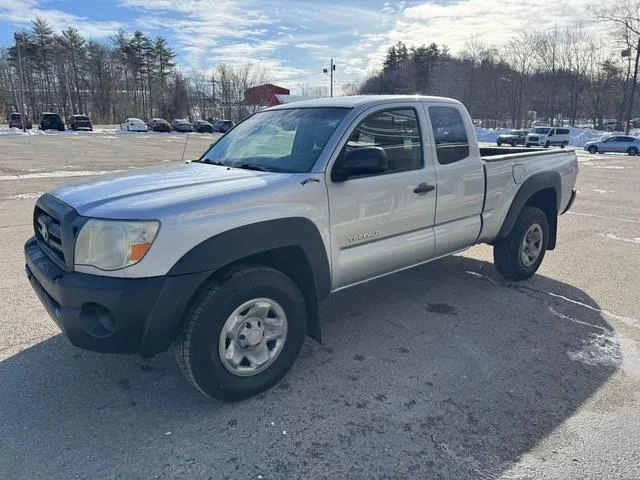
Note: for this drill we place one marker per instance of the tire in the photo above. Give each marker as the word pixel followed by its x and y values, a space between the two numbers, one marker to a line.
pixel 514 144
pixel 508 252
pixel 633 151
pixel 499 144
pixel 206 333
pixel 592 149
pixel 547 144
pixel 528 145
pixel 563 144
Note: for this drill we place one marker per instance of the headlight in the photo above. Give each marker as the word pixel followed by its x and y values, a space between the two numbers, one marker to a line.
pixel 114 244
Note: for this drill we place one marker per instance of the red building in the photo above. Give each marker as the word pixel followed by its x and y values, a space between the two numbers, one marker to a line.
pixel 262 94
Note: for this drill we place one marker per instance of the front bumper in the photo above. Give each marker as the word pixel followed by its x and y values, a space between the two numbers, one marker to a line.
pixel 107 314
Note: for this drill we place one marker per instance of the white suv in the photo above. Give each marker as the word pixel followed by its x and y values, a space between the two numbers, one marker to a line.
pixel 547 136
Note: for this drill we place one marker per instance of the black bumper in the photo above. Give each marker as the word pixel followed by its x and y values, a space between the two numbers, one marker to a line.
pixel 571 200
pixel 111 315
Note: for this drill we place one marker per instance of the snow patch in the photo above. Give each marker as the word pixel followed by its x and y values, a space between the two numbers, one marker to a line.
pixel 611 236
pixel 26 196
pixel 599 350
pixel 57 174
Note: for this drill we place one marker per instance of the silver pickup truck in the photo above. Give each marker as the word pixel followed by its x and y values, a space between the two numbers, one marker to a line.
pixel 227 257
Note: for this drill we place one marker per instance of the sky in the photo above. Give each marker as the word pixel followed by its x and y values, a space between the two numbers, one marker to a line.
pixel 294 40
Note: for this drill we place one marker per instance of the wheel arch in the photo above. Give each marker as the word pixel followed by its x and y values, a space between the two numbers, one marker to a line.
pixel 541 190
pixel 293 246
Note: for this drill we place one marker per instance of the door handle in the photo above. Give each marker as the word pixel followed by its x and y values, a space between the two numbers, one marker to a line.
pixel 423 188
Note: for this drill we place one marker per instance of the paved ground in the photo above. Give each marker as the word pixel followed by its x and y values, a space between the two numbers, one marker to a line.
pixel 445 371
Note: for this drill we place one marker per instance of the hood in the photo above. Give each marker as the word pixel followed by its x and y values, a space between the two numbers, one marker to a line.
pixel 507 135
pixel 155 191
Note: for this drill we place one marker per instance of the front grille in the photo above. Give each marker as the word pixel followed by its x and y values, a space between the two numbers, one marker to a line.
pixel 533 139
pixel 49 233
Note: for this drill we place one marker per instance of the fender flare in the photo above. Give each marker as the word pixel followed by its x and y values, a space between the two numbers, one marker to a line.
pixel 531 186
pixel 241 242
pixel 231 246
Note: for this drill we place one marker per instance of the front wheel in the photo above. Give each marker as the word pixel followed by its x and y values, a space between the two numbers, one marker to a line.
pixel 633 151
pixel 513 144
pixel 547 144
pixel 519 254
pixel 499 144
pixel 242 336
pixel 528 145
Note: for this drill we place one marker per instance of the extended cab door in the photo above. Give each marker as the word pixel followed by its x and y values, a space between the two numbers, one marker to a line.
pixel 382 221
pixel 460 192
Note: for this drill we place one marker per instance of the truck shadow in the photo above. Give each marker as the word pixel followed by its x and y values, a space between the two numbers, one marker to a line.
pixel 443 371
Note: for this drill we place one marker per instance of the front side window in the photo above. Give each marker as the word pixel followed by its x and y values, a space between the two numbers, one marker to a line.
pixel 395 131
pixel 450 134
pixel 288 140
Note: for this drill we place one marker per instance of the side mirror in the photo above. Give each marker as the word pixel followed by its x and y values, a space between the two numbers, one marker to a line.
pixel 359 162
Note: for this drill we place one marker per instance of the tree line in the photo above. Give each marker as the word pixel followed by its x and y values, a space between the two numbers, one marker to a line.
pixel 130 75
pixel 567 76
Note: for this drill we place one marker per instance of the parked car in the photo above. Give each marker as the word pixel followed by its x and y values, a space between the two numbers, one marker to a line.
pixel 620 144
pixel 513 138
pixel 16 122
pixel 222 126
pixel 133 125
pixel 611 125
pixel 227 257
pixel 181 125
pixel 548 136
pixel 51 121
pixel 77 122
pixel 158 125
pixel 202 126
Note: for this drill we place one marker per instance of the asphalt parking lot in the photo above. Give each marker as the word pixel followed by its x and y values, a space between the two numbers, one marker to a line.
pixel 444 371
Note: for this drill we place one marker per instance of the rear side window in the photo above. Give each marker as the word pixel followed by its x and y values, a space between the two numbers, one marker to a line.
pixel 397 132
pixel 562 131
pixel 450 135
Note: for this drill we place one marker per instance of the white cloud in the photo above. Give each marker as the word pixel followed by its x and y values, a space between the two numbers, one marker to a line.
pixel 21 12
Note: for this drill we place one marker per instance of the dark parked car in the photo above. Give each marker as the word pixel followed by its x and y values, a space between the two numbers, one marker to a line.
pixel 181 125
pixel 51 121
pixel 202 126
pixel 76 122
pixel 513 138
pixel 159 125
pixel 222 126
pixel 16 122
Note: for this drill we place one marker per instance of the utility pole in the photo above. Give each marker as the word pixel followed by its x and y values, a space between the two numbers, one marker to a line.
pixel 633 90
pixel 331 70
pixel 23 117
pixel 213 97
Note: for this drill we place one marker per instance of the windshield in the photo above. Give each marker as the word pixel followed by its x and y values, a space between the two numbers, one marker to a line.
pixel 277 140
pixel 541 131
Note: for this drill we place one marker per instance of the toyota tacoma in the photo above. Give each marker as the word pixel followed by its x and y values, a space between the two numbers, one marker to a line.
pixel 228 257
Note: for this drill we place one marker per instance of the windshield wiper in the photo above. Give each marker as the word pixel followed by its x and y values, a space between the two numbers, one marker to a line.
pixel 212 162
pixel 251 166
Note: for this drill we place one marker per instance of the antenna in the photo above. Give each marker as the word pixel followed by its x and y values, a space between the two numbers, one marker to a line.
pixel 185 146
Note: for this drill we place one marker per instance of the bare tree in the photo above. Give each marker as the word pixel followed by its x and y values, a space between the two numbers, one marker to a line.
pixel 519 55
pixel 625 16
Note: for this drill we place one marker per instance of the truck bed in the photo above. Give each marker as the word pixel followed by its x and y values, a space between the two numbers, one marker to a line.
pixel 507 168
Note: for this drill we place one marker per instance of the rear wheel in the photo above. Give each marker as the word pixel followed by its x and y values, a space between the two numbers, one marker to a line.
pixel 528 145
pixel 563 144
pixel 499 144
pixel 547 144
pixel 632 151
pixel 242 336
pixel 592 149
pixel 519 255
pixel 514 143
